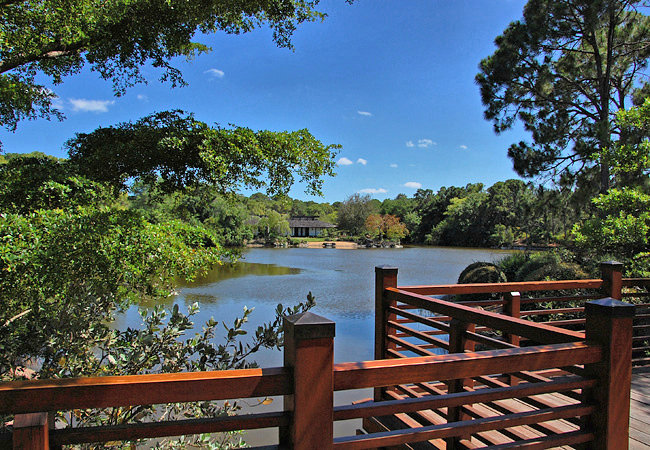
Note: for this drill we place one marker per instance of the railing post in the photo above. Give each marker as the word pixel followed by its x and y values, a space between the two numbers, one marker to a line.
pixel 458 343
pixel 609 323
pixel 385 277
pixel 612 276
pixel 31 432
pixel 309 351
pixel 512 308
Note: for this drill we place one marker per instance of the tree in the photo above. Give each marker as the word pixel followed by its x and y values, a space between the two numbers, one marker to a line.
pixel 385 226
pixel 36 182
pixel 563 71
pixel 630 160
pixel 273 226
pixel 622 226
pixel 431 207
pixel 353 213
pixel 464 223
pixel 116 38
pixel 179 150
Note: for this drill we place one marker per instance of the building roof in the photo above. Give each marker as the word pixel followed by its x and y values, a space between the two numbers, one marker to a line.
pixel 309 221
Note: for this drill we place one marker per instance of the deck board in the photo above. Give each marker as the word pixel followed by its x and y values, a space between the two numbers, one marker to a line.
pixel 640 412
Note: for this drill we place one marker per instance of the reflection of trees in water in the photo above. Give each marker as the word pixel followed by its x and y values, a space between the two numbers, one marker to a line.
pixel 199 298
pixel 236 270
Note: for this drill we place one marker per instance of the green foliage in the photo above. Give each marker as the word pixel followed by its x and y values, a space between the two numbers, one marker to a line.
pixel 385 226
pixel 166 343
pixel 116 38
pixel 561 73
pixel 511 264
pixel 68 271
pixel 29 183
pixel 549 265
pixel 174 150
pixel 463 222
pixel 621 227
pixel 273 227
pixel 630 157
pixel 353 213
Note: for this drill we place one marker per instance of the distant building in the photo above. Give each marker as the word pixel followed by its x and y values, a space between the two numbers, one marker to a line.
pixel 307 226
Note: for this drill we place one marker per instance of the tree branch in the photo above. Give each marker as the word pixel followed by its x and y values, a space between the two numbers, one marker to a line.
pixel 54 50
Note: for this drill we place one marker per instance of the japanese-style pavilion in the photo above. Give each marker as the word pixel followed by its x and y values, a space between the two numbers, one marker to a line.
pixel 307 226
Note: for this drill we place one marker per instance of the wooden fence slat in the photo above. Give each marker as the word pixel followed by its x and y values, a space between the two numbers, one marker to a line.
pixel 543 442
pixel 523 390
pixel 436 322
pixel 535 331
pixel 134 431
pixel 398 437
pixel 422 336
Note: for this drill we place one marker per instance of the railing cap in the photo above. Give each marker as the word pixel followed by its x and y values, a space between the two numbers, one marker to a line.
pixel 611 264
pixel 609 307
pixel 308 325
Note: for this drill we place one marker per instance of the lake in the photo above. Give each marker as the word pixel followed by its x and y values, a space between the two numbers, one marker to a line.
pixel 342 281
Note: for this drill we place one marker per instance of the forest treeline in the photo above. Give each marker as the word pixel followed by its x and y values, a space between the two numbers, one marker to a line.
pixel 508 213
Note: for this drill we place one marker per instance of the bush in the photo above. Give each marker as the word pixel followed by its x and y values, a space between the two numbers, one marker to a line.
pixel 480 272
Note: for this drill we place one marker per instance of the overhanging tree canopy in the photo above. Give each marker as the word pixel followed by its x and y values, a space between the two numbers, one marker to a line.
pixel 182 151
pixel 564 70
pixel 116 38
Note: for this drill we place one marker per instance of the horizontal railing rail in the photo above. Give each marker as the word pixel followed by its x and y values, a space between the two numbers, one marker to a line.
pixel 20 397
pixel 518 286
pixel 387 372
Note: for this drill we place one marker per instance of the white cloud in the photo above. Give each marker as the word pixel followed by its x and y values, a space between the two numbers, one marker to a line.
pixel 362 161
pixel 344 162
pixel 413 185
pixel 394 166
pixel 215 73
pixel 373 191
pixel 410 144
pixel 57 102
pixel 364 113
pixel 142 98
pixel 424 143
pixel 464 147
pixel 96 106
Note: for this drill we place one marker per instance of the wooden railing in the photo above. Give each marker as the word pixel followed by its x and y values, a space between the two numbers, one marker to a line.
pixel 561 303
pixel 484 388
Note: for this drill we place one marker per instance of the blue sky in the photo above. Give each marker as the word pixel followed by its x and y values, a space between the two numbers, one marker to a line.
pixel 392 81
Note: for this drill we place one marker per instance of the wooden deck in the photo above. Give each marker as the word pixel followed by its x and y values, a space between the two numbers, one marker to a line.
pixel 500 380
pixel 640 410
pixel 639 420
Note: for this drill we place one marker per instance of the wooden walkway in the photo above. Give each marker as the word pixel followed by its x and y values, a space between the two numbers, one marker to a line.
pixel 640 410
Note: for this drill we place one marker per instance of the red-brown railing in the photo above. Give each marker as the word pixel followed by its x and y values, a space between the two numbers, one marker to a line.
pixel 558 389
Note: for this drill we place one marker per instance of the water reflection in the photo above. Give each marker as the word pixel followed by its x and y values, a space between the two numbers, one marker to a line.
pixel 237 270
